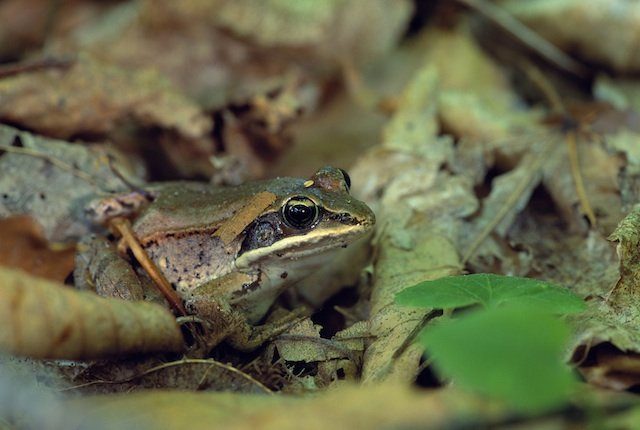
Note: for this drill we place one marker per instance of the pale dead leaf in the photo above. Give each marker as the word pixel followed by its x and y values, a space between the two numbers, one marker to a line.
pixel 346 407
pixel 401 180
pixel 475 99
pixel 42 319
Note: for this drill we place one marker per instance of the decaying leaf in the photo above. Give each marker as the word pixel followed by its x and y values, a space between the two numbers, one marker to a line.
pixel 52 181
pixel 23 246
pixel 42 319
pixel 227 51
pixel 509 195
pixel 607 339
pixel 94 98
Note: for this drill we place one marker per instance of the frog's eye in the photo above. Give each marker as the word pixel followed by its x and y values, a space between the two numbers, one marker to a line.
pixel 300 212
pixel 347 179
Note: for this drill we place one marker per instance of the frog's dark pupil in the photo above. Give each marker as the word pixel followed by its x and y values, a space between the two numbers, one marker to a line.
pixel 300 213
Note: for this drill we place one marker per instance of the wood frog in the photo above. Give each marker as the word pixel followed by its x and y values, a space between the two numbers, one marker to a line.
pixel 228 251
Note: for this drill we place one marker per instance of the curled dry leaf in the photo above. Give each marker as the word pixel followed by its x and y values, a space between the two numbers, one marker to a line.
pixel 42 319
pixel 94 98
pixel 23 246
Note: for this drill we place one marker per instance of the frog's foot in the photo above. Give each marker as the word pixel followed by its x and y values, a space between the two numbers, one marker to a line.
pixel 248 337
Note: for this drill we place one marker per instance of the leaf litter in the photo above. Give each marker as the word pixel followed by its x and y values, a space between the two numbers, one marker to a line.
pixel 465 156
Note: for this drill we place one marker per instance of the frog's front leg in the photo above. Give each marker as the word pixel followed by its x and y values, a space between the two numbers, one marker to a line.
pixel 224 323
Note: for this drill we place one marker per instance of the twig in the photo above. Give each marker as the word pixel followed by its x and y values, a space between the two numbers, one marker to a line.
pixel 557 104
pixel 414 333
pixel 210 362
pixel 123 226
pixel 574 163
pixel 35 66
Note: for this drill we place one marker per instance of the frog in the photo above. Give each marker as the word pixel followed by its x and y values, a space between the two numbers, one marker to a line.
pixel 228 252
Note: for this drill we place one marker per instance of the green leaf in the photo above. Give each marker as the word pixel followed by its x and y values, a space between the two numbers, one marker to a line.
pixel 510 353
pixel 490 290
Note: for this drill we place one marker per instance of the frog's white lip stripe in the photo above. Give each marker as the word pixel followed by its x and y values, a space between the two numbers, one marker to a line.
pixel 290 247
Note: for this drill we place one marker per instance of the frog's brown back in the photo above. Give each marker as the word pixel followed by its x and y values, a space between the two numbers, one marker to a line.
pixel 188 207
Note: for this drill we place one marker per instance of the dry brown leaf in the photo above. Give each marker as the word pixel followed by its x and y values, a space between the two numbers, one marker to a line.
pixel 94 98
pixel 43 319
pixel 23 246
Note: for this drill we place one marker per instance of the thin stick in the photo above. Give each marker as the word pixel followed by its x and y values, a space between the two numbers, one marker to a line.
pixel 123 226
pixel 574 163
pixel 543 84
pixel 35 66
pixel 556 103
pixel 210 362
pixel 414 333
pixel 528 37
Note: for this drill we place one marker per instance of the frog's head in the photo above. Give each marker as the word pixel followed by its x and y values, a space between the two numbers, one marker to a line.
pixel 308 219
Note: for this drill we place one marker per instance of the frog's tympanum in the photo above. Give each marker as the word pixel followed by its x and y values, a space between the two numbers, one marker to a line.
pixel 230 251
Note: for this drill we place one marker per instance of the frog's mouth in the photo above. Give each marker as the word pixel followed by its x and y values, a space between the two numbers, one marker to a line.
pixel 305 245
